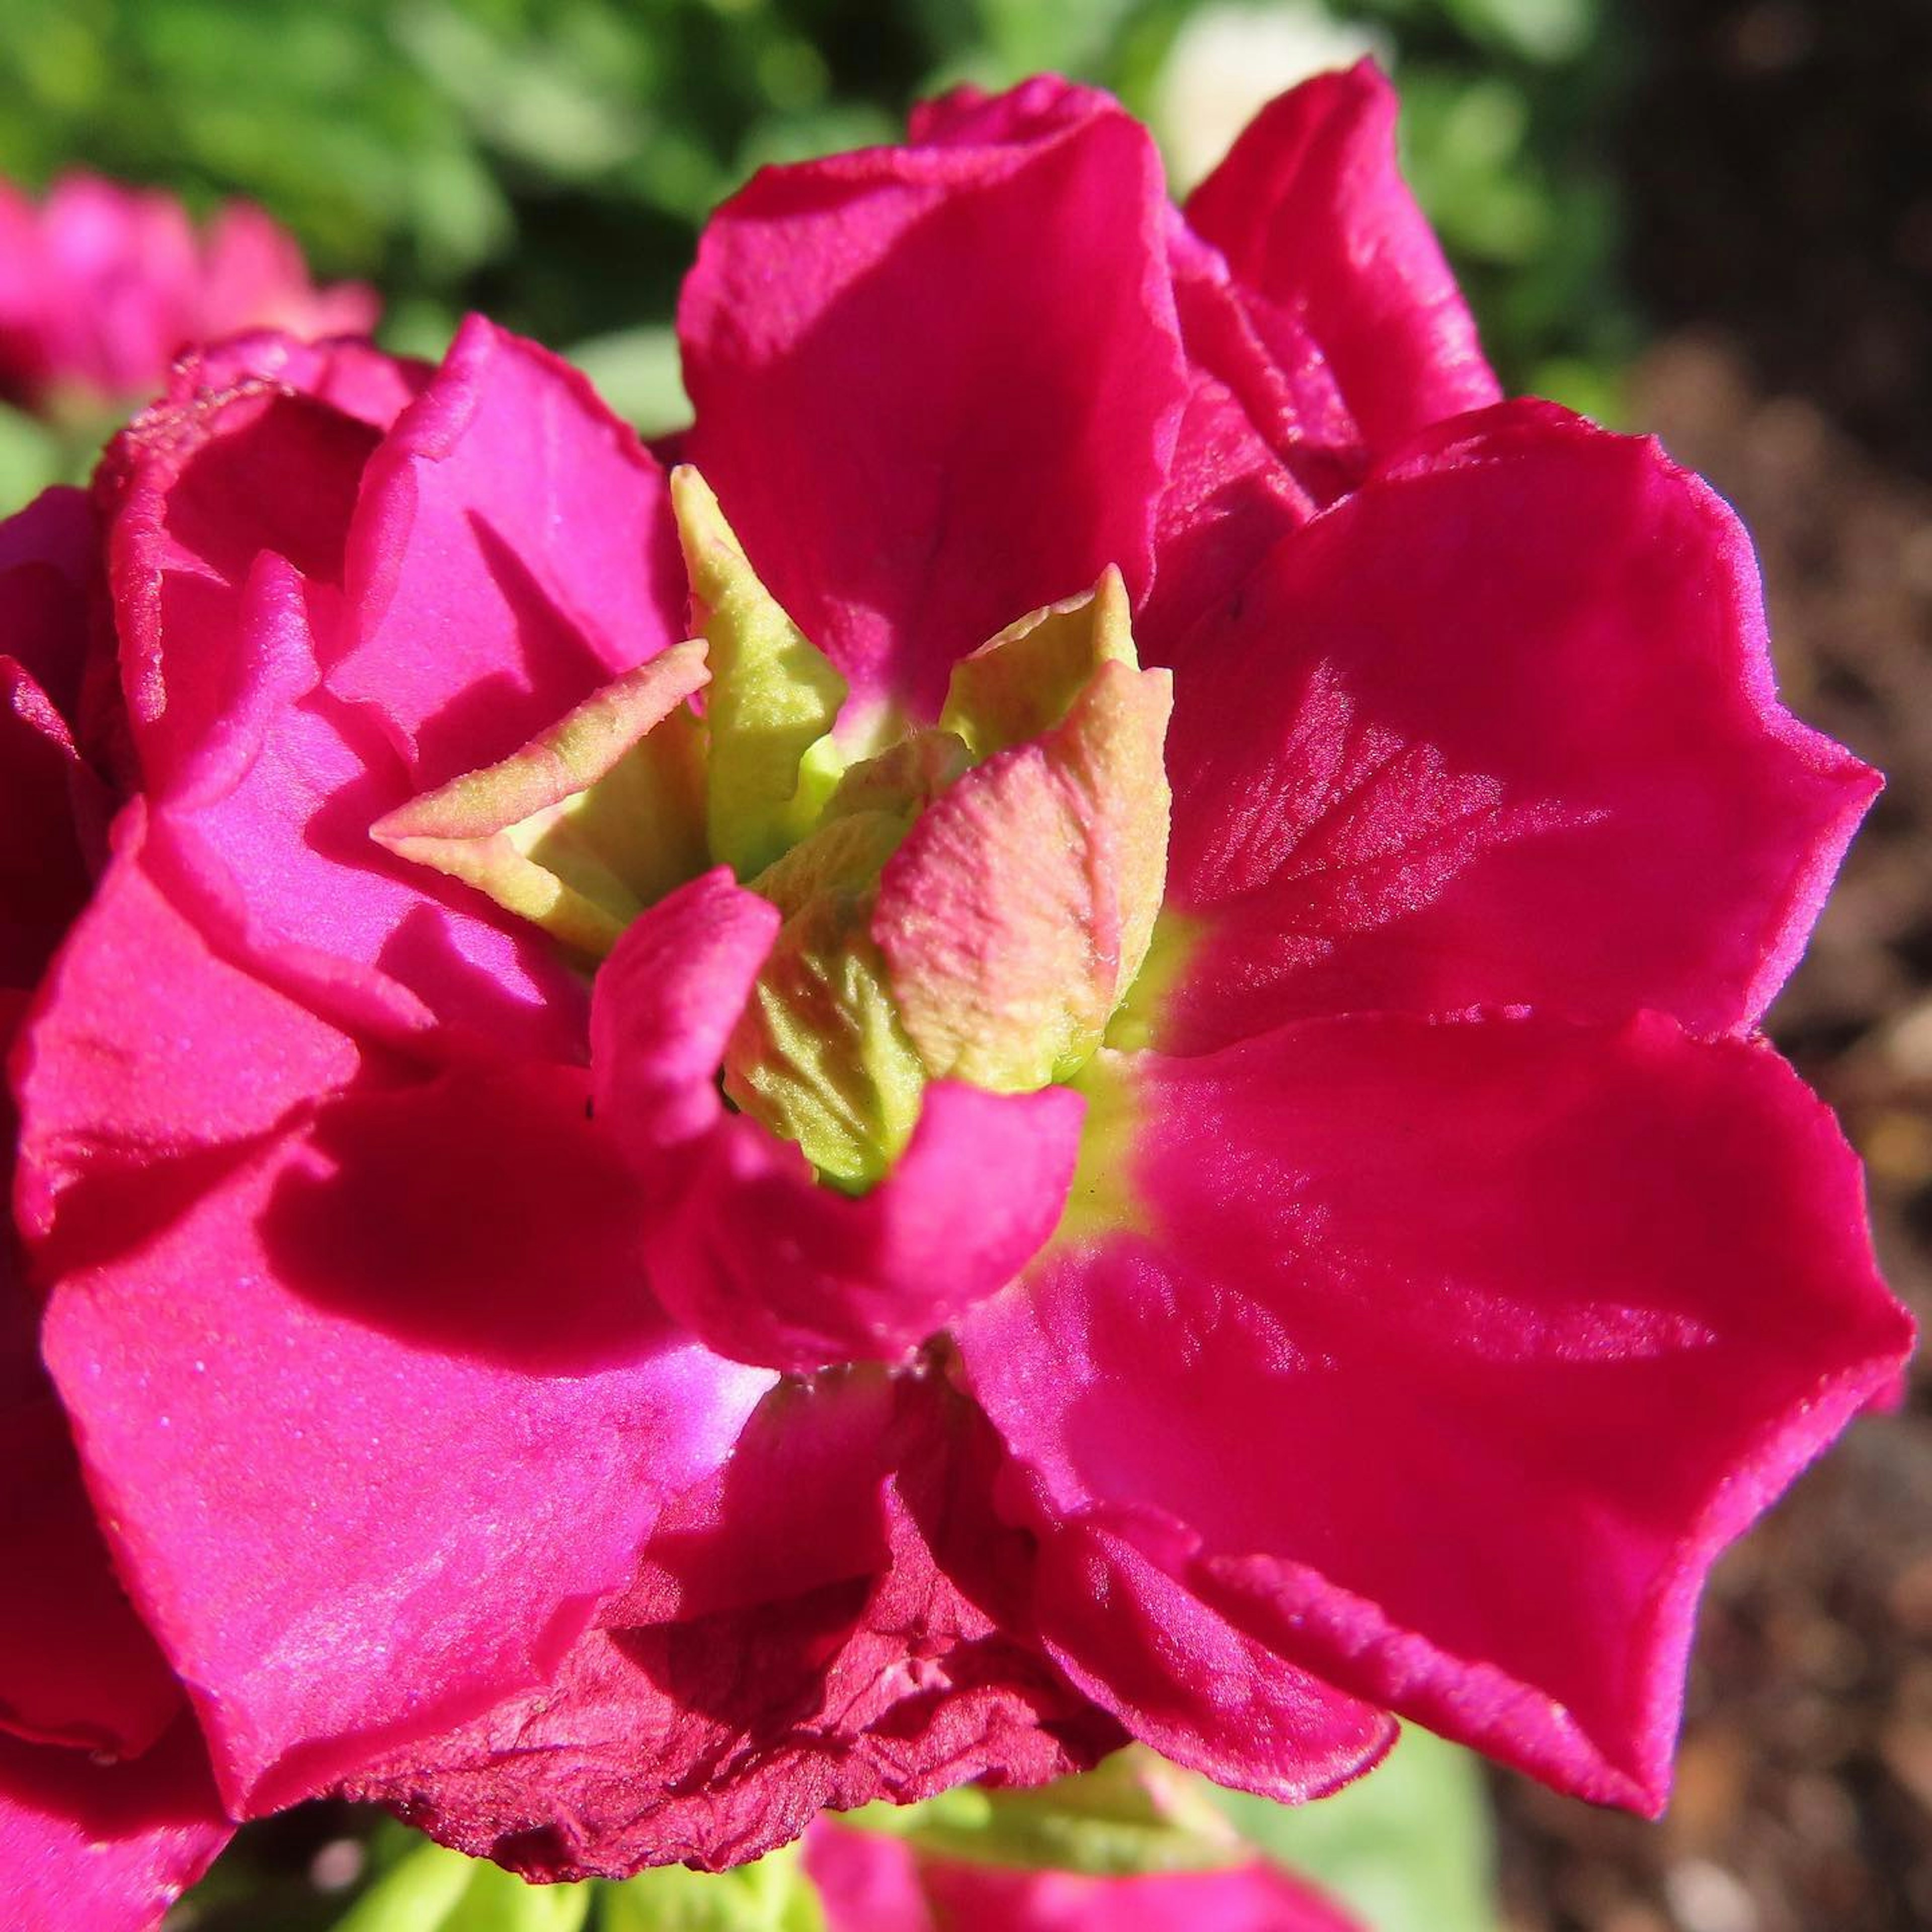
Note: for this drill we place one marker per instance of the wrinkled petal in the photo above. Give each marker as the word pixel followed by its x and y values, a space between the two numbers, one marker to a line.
pixel 964 404
pixel 1313 217
pixel 743 1246
pixel 1509 736
pixel 75 1665
pixel 513 549
pixel 712 1739
pixel 869 1882
pixel 85 1847
pixel 377 1415
pixel 230 463
pixel 357 378
pixel 1444 1358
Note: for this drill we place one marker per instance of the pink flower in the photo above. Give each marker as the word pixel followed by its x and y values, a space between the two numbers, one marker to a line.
pixel 1387 1298
pixel 870 1883
pixel 101 287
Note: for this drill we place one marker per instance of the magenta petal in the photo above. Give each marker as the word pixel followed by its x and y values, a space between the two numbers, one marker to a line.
pixel 1314 217
pixel 75 1665
pixel 743 1245
pixel 377 1417
pixel 1593 1297
pixel 355 377
pixel 1514 738
pixel 85 1847
pixel 270 818
pixel 1184 1679
pixel 514 545
pixel 964 405
pixel 147 1048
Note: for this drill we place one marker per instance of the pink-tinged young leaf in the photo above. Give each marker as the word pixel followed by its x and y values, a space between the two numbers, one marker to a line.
pixel 1594 1295
pixel 774 699
pixel 1019 909
pixel 742 1245
pixel 76 1667
pixel 1507 734
pixel 512 551
pixel 1022 683
pixel 964 407
pixel 592 821
pixel 1315 219
pixel 861 1669
pixel 377 1416
pixel 87 1847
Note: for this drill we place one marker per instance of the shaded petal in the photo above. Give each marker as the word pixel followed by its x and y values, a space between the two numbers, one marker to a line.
pixel 1592 1296
pixel 714 1738
pixel 743 1246
pixel 47 797
pixel 49 555
pixel 1510 735
pixel 75 1665
pixel 965 406
pixel 85 1847
pixel 513 549
pixel 1314 217
pixel 377 1415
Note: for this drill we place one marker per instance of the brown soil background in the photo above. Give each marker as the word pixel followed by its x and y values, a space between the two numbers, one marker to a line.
pixel 1778 156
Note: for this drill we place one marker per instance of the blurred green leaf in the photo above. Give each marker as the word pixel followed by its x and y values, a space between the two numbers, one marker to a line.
pixel 773 1895
pixel 637 372
pixel 1410 1847
pixel 433 1890
pixel 32 457
pixel 1133 1814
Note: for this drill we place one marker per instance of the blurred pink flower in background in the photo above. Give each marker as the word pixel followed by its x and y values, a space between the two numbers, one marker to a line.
pixel 102 286
pixel 868 1882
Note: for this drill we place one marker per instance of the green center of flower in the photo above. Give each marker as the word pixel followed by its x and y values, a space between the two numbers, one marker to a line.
pixel 972 900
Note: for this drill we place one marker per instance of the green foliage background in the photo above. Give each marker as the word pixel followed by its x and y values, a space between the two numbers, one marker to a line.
pixel 550 161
